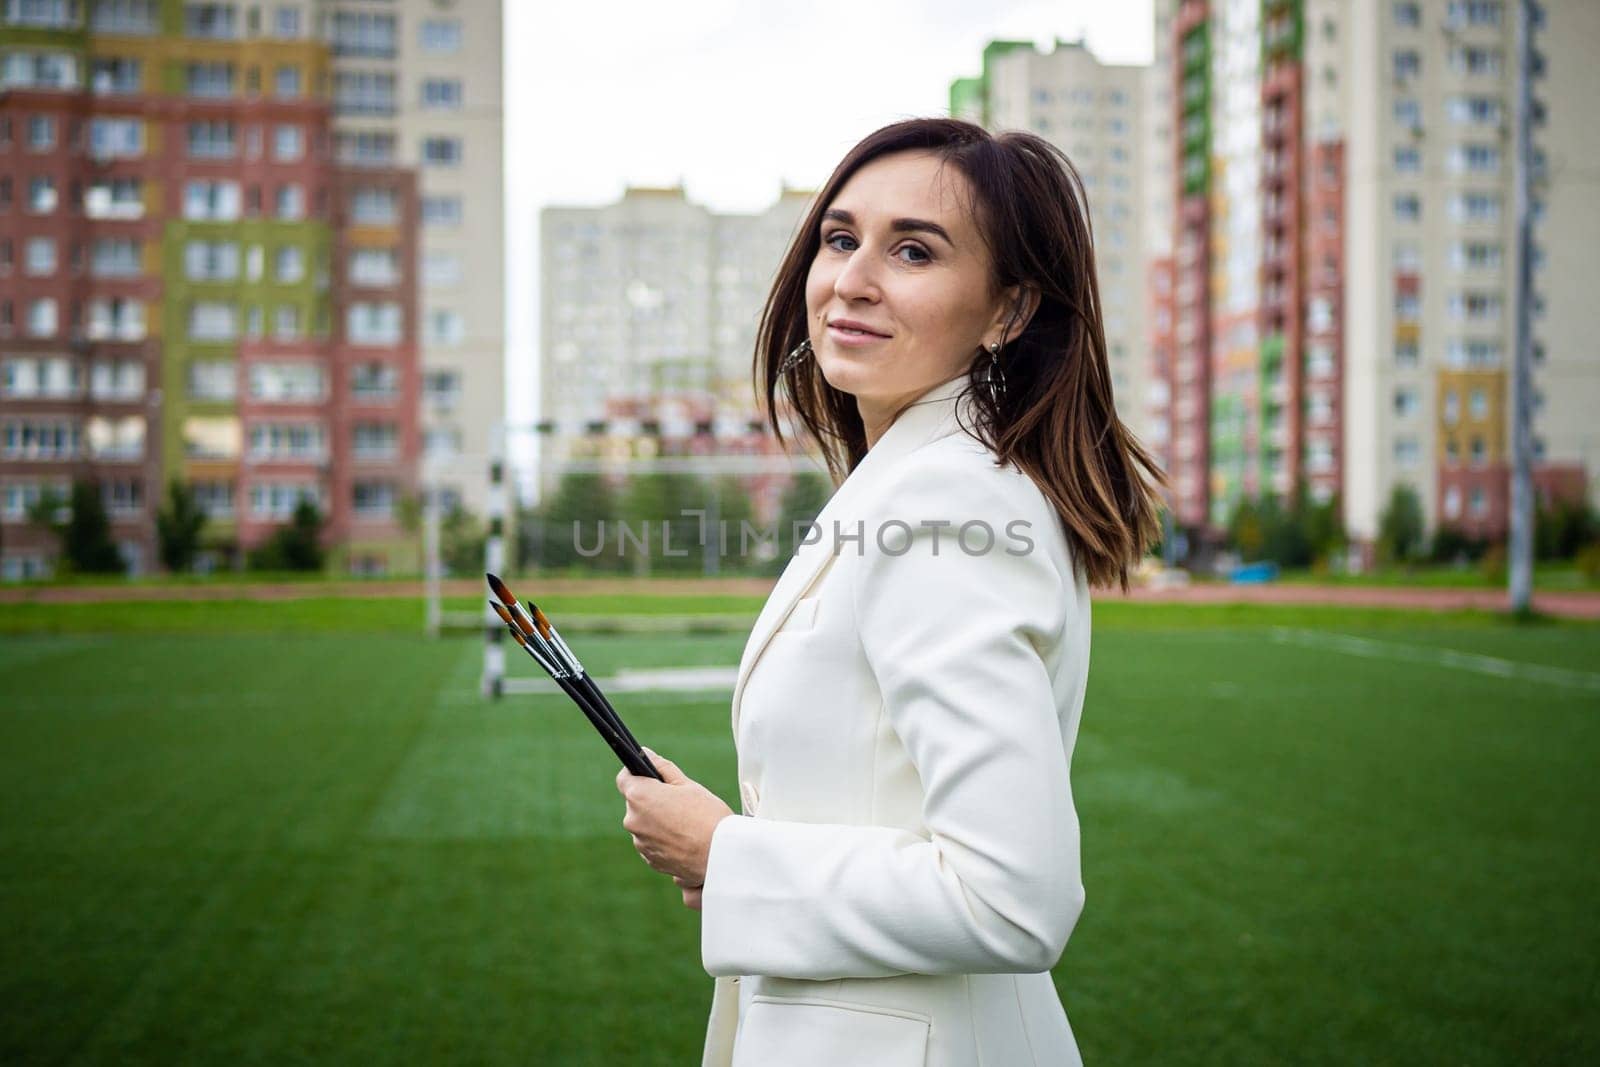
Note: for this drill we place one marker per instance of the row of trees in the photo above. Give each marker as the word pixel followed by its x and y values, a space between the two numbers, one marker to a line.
pixel 82 529
pixel 659 523
pixel 1307 534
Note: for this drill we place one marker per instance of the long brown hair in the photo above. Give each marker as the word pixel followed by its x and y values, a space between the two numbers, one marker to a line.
pixel 1055 420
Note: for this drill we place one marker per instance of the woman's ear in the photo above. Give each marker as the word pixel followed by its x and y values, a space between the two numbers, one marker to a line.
pixel 1017 305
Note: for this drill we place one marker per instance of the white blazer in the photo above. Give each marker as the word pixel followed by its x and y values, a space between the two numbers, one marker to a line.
pixel 905 870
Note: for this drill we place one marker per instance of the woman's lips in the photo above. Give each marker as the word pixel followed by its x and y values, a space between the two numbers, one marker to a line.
pixel 852 338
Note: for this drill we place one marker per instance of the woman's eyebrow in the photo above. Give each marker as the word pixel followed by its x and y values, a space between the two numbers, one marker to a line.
pixel 897 226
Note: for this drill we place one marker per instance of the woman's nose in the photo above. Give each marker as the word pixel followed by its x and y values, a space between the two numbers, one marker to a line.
pixel 857 279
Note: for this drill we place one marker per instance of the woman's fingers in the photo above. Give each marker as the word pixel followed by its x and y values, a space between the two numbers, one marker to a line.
pixel 691 898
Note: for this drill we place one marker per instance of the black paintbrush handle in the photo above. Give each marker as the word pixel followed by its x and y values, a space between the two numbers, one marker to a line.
pixel 634 760
pixel 606 706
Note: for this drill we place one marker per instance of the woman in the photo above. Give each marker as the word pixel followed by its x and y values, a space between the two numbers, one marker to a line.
pixel 905 870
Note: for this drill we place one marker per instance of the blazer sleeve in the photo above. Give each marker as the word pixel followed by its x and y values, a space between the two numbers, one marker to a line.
pixel 994 886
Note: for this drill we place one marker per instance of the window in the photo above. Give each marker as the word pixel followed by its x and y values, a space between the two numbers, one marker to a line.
pixel 38 70
pixel 213 379
pixel 116 138
pixel 1475 255
pixel 291 202
pixel 441 211
pixel 373 500
pixel 363 93
pixel 1407 307
pixel 47 377
pixel 1475 207
pixel 441 151
pixel 441 270
pixel 290 264
pixel 1408 14
pixel 116 257
pixel 286 83
pixel 1480 499
pixel 41 133
pixel 1452 407
pixel 365 149
pixel 445 327
pixel 1474 110
pixel 213 498
pixel 211 261
pixel 39 256
pixel 19 498
pixel 1478 450
pixel 209 80
pixel 1473 159
pixel 1474 304
pixel 441 442
pixel 373 324
pixel 116 318
pixel 114 198
pixel 440 36
pixel 1407 207
pixel 374 382
pixel 1407 257
pixel 1407 64
pixel 212 140
pixel 1407 159
pixel 210 21
pixel 1452 502
pixel 112 76
pixel 287 440
pixel 1408 113
pixel 441 389
pixel 116 379
pixel 215 201
pixel 1476 61
pixel 441 94
pixel 286 22
pixel 362 34
pixel 1407 451
pixel 211 437
pixel 374 266
pixel 42 318
pixel 288 144
pixel 115 439
pixel 374 206
pixel 213 320
pixel 43 14
pixel 277 500
pixel 1473 13
pixel 297 382
pixel 40 439
pixel 132 17
pixel 286 323
pixel 1406 402
pixel 375 440
pixel 1478 405
pixel 1474 352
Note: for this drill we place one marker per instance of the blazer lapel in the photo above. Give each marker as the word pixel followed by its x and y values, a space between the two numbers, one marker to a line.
pixel 932 416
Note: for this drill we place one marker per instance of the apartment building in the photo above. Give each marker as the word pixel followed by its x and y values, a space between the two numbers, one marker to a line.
pixel 1430 228
pixel 1093 112
pixel 650 310
pixel 204 280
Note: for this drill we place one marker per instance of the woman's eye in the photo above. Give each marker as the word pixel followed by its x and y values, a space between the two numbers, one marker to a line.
pixel 832 237
pixel 919 250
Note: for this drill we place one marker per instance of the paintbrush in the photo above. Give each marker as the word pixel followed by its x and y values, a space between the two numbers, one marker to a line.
pixel 541 641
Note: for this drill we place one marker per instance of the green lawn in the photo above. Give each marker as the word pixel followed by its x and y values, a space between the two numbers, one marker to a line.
pixel 321 846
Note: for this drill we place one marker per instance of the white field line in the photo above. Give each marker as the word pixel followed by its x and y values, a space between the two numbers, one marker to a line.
pixel 1437 657
pixel 665 679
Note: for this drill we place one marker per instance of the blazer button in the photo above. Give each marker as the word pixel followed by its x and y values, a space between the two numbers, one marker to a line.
pixel 751 798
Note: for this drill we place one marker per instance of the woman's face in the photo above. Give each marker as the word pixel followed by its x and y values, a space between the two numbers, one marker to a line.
pixel 901 259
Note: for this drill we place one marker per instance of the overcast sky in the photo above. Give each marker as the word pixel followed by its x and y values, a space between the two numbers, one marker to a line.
pixel 732 99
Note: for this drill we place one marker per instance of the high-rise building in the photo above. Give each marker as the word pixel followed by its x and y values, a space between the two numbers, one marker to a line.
pixel 1093 112
pixel 650 310
pixel 1431 234
pixel 210 262
pixel 418 84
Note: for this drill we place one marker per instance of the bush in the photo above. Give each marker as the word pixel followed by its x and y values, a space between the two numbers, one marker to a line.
pixel 1400 527
pixel 1452 545
pixel 1560 530
pixel 178 527
pixel 81 528
pixel 296 546
pixel 1493 563
pixel 1589 562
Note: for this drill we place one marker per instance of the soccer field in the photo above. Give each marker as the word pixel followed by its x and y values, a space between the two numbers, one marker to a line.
pixel 1310 839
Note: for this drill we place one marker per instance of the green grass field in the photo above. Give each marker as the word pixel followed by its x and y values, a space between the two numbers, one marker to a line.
pixel 1310 836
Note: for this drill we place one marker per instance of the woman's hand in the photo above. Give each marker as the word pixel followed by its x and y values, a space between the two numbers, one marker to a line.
pixel 671 823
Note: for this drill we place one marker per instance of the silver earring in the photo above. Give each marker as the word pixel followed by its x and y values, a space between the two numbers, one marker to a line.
pixel 792 360
pixel 995 377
